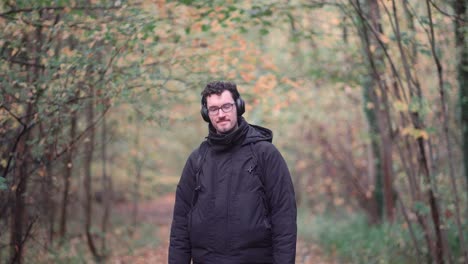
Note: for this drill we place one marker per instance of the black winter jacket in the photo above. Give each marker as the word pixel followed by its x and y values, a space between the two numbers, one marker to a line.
pixel 243 211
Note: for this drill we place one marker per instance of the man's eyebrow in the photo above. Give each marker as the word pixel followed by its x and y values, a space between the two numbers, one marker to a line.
pixel 220 105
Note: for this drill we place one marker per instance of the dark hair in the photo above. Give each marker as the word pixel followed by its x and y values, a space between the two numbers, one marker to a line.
pixel 218 87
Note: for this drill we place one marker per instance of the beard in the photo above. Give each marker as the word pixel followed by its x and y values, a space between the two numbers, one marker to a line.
pixel 228 131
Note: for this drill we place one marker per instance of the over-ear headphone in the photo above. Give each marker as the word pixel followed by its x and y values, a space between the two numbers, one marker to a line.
pixel 240 106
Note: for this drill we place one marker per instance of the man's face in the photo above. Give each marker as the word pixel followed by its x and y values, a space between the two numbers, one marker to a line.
pixel 221 121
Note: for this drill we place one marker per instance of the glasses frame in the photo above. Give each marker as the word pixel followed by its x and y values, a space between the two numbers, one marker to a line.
pixel 214 110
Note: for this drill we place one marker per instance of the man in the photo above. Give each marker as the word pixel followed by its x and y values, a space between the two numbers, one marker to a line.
pixel 235 200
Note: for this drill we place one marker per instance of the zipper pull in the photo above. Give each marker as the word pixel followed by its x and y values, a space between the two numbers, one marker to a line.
pixel 251 168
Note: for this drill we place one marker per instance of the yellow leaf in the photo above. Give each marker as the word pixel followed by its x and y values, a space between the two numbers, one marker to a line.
pixel 335 21
pixel 423 134
pixel 400 106
pixel 301 165
pixel 338 201
pixel 265 83
pixel 415 133
pixel 42 172
pixel 67 51
pixel 293 97
pixel 247 76
pixel 384 39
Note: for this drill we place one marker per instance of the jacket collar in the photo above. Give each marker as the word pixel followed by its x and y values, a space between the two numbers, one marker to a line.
pixel 227 141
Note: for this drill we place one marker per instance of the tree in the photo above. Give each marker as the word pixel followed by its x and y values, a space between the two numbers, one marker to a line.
pixel 376 106
pixel 461 43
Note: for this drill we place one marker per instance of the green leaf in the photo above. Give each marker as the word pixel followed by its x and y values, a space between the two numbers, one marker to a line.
pixel 206 28
pixel 3 185
pixel 186 2
pixel 266 23
pixel 426 52
pixel 264 31
pixel 421 208
pixel 236 19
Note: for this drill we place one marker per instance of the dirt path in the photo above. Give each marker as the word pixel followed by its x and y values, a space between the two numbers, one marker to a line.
pixel 160 212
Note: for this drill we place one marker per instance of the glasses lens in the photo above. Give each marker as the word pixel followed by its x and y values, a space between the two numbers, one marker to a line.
pixel 213 110
pixel 226 108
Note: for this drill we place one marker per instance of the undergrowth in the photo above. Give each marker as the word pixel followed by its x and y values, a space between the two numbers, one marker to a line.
pixel 349 238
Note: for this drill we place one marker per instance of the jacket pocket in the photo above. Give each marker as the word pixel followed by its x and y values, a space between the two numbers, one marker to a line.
pixel 251 226
pixel 200 222
pixel 266 210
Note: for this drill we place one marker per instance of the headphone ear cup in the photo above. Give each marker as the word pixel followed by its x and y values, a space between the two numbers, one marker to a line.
pixel 204 113
pixel 240 104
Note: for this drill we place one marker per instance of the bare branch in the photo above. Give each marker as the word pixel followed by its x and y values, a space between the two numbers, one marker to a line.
pixel 55 8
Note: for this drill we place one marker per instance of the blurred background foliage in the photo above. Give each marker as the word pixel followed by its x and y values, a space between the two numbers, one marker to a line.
pixel 367 99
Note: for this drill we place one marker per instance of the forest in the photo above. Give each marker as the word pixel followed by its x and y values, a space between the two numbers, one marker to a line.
pixel 100 108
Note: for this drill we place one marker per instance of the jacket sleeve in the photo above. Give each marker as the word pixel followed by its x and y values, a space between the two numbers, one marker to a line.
pixel 179 246
pixel 282 205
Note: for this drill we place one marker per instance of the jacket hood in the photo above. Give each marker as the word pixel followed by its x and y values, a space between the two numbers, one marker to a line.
pixel 258 133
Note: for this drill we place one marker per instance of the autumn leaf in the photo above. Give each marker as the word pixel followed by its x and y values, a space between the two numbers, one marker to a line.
pixel 415 133
pixel 400 106
pixel 266 83
pixel 67 51
pixel 247 76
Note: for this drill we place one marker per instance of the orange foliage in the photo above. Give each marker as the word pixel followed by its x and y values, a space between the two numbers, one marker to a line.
pixel 213 65
pixel 290 82
pixel 247 76
pixel 268 64
pixel 265 83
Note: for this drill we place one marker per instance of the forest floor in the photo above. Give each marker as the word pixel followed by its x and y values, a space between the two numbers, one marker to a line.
pixel 159 212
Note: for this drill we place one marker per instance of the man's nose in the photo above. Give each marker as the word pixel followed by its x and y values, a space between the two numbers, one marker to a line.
pixel 221 113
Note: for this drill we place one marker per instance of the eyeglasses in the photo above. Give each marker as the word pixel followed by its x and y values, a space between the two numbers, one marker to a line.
pixel 214 110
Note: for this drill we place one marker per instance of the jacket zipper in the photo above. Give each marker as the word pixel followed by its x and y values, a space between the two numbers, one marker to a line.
pixel 227 205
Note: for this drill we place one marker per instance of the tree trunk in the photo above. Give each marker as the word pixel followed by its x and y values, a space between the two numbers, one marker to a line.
pixel 46 171
pixel 51 205
pixel 136 188
pixel 67 177
pixel 377 105
pixel 136 195
pixel 19 217
pixel 106 184
pixel 87 180
pixel 460 7
pixel 376 159
pixel 461 16
pixel 415 94
pixel 370 103
pixel 20 185
pixel 445 122
pixel 378 69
